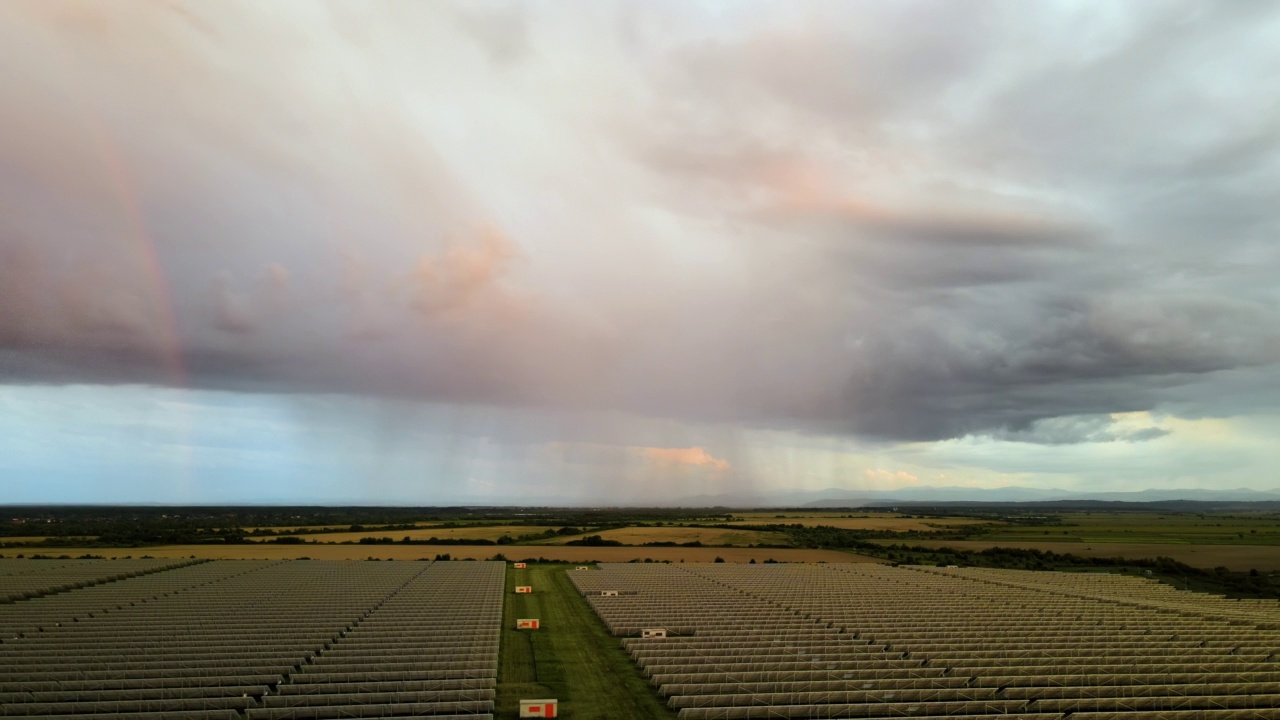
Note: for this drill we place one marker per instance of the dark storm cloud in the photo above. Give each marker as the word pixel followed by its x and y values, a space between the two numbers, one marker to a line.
pixel 1078 429
pixel 1129 173
pixel 891 220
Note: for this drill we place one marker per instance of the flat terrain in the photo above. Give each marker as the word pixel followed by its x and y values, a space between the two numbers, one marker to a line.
pixel 572 658
pixel 878 521
pixel 880 641
pixel 560 553
pixel 1235 557
pixel 156 639
pixel 641 534
pixel 285 529
pixel 1044 645
pixel 1145 527
pixel 368 527
pixel 478 532
pixel 1240 539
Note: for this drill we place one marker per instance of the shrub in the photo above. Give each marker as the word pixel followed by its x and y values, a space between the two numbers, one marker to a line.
pixel 594 541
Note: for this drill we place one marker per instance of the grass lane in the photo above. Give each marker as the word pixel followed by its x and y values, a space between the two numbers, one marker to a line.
pixel 573 658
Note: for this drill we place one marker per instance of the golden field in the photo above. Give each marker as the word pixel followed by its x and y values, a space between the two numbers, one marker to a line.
pixel 285 529
pixel 266 551
pixel 641 534
pixel 878 521
pixel 479 532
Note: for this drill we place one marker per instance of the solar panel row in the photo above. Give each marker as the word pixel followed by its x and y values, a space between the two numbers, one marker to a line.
pixel 824 641
pixel 259 639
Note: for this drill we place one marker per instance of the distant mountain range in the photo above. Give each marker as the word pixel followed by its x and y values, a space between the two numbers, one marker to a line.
pixel 835 497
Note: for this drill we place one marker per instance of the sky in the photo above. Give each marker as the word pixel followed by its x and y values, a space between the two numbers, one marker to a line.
pixel 633 252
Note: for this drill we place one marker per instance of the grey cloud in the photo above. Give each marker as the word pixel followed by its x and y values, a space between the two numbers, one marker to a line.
pixel 1078 429
pixel 897 221
pixel 1113 302
pixel 233 314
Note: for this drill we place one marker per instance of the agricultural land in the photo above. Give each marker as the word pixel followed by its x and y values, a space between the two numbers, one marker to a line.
pixel 1234 549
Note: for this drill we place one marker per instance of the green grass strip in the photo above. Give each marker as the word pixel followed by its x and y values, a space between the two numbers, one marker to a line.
pixel 572 658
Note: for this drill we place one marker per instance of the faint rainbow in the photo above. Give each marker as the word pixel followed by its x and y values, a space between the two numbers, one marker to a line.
pixel 137 235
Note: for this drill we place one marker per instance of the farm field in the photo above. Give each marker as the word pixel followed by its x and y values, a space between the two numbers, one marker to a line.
pixel 479 532
pixel 368 527
pixel 1145 527
pixel 1239 541
pixel 785 641
pixel 559 553
pixel 286 529
pixel 875 521
pixel 1264 558
pixel 641 534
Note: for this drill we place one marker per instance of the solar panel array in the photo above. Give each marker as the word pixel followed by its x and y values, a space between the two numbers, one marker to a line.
pixel 281 640
pixel 26 579
pixel 864 640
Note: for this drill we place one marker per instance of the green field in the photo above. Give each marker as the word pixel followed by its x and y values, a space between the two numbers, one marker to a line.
pixel 1242 538
pixel 1141 527
pixel 572 658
